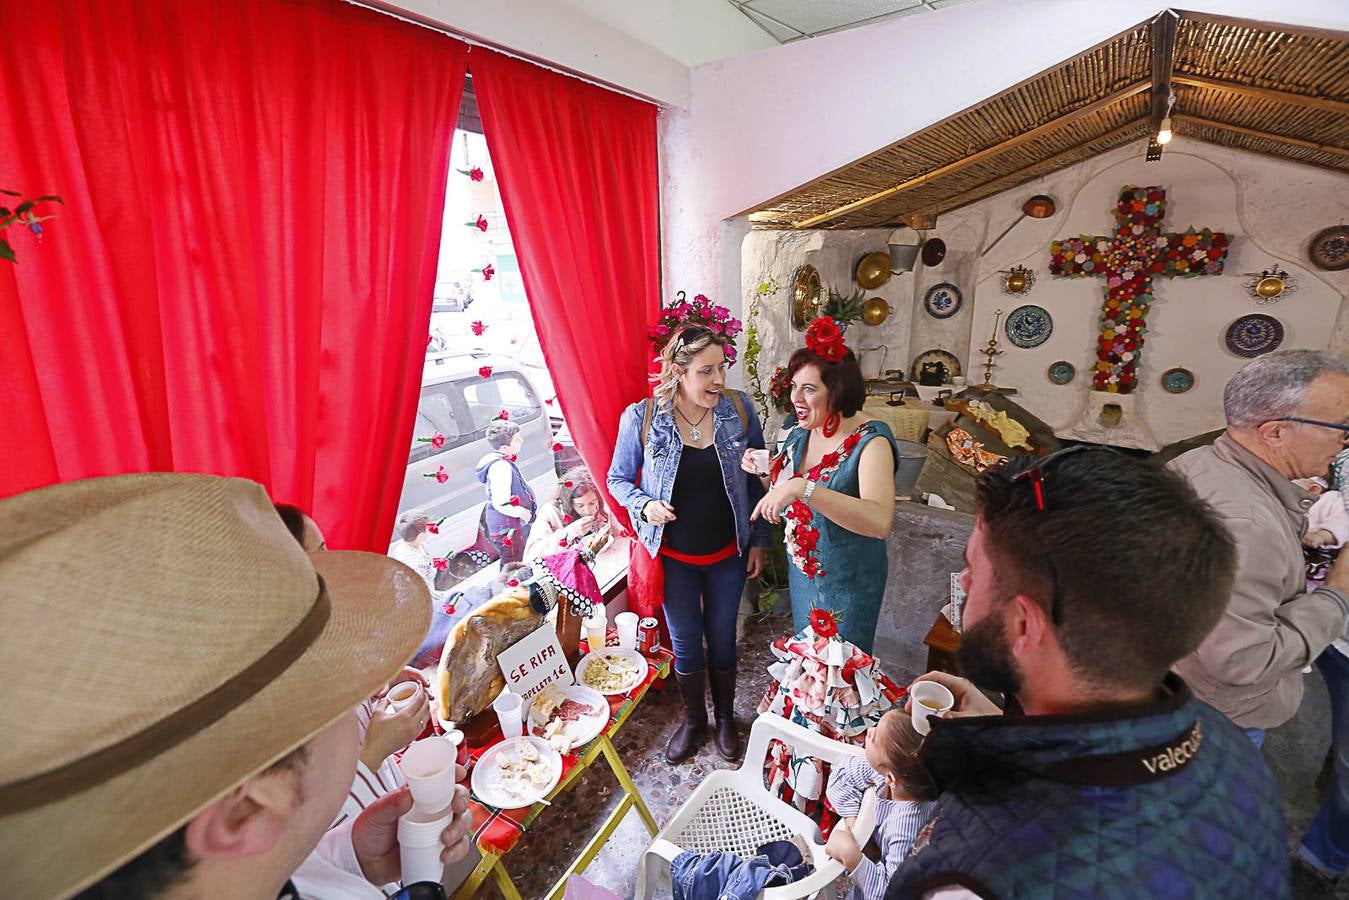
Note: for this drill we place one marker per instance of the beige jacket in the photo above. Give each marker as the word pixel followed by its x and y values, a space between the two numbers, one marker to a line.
pixel 1250 665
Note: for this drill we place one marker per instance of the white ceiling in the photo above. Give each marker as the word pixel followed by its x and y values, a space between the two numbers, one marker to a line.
pixel 795 20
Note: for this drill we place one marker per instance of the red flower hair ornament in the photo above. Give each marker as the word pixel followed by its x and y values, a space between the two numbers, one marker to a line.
pixel 825 340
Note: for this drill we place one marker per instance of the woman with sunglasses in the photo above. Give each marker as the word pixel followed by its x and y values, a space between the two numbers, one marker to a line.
pixel 676 468
pixel 834 486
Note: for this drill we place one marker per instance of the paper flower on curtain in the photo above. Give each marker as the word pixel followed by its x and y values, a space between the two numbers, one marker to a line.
pixel 477 328
pixel 434 527
pixel 504 415
pixel 485 371
pixel 557 447
pixel 441 563
pixel 436 440
pixel 440 475
pixel 448 609
pixel 825 340
pixel 487 272
pixel 474 173
pixel 479 223
pixel 514 501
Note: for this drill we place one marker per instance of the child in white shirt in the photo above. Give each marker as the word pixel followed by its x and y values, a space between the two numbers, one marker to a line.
pixel 908 802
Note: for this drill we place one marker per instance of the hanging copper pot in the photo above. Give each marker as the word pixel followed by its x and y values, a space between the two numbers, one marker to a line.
pixel 1039 207
pixel 875 310
pixel 934 251
pixel 873 270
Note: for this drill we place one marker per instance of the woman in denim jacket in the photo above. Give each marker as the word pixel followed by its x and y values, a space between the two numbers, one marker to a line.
pixel 691 509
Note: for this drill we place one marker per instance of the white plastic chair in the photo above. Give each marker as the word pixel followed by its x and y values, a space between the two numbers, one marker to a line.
pixel 732 810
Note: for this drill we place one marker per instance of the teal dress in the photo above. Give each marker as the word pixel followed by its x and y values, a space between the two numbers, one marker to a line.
pixel 852 567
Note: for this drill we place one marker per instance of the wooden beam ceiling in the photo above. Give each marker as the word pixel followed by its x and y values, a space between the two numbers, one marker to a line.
pixel 972 159
pixel 1162 34
pixel 1259 93
pixel 1265 135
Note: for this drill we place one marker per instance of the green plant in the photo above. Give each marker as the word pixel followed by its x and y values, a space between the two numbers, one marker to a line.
pixel 752 350
pixel 844 309
pixel 22 214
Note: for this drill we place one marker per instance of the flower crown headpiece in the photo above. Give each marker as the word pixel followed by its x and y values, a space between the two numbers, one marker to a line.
pixel 825 340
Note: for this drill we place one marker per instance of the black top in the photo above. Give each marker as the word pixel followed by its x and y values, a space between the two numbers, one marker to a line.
pixel 704 522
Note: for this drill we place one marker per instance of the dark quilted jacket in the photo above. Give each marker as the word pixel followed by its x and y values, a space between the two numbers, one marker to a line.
pixel 1165 801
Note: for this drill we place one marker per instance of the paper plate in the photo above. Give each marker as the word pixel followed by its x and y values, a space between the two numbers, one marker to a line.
pixel 588 727
pixel 627 685
pixel 490 788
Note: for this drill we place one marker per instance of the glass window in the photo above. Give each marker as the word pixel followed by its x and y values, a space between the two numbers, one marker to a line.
pixel 486 398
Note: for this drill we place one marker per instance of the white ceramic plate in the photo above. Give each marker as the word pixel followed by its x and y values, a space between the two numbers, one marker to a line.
pixel 493 790
pixel 632 682
pixel 584 729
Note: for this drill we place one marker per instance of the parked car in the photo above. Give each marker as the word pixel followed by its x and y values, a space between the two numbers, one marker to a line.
pixel 451 296
pixel 458 402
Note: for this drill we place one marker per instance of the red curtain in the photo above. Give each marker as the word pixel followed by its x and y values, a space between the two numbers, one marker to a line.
pixel 240 279
pixel 576 165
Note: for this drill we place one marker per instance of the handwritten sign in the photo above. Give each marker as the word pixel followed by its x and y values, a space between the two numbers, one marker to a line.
pixel 534 662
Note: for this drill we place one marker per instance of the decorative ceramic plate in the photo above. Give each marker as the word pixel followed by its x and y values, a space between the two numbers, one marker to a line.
pixel 952 364
pixel 1254 335
pixel 504 778
pixel 1062 372
pixel 1177 380
pixel 1029 326
pixel 1329 248
pixel 942 301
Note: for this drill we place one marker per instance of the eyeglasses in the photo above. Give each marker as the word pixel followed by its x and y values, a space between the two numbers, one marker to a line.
pixel 1035 476
pixel 1338 426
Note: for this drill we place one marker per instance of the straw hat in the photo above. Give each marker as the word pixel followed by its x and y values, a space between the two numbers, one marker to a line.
pixel 164 639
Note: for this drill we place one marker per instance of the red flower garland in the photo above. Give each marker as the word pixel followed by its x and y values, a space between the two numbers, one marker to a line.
pixel 802 536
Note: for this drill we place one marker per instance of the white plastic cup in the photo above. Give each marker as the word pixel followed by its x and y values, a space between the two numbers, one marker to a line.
pixel 761 460
pixel 419 846
pixel 403 694
pixel 510 712
pixel 595 627
pixel 626 623
pixel 929 699
pixel 428 766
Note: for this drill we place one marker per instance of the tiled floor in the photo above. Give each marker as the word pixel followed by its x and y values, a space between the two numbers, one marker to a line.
pixel 558 836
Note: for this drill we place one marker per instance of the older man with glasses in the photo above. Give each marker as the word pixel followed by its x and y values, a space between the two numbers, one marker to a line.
pixel 1287 417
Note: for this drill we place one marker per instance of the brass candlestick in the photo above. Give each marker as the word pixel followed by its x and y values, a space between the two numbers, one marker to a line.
pixel 991 352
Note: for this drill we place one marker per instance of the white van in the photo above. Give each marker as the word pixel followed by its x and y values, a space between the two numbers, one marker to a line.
pixel 458 402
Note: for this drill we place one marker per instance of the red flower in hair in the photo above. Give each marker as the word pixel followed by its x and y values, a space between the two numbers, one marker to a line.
pixel 485 371
pixel 477 328
pixel 825 340
pixel 822 623
pixel 441 563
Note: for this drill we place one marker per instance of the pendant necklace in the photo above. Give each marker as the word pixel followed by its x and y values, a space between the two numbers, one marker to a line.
pixel 694 433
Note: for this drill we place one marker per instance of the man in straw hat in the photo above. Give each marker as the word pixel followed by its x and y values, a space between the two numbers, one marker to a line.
pixel 179 694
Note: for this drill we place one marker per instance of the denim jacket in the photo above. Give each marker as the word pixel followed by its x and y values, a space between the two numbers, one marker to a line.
pixel 658 463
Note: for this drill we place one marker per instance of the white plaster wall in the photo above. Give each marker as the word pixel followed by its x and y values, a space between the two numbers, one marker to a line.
pixel 1270 207
pixel 777 255
pixel 762 123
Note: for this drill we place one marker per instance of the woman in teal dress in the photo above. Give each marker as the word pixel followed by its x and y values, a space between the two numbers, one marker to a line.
pixel 833 484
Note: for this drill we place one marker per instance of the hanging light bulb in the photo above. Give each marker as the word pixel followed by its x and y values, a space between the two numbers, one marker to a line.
pixel 1164 133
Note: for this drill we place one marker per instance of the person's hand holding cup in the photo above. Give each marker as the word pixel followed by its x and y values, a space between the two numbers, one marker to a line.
pixel 393 726
pixel 968 699
pixel 756 462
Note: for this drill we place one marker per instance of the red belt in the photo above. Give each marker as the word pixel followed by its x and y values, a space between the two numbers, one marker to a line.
pixel 702 559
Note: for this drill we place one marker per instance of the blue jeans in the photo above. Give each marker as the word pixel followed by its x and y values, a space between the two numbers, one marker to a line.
pixel 1327 840
pixel 703 601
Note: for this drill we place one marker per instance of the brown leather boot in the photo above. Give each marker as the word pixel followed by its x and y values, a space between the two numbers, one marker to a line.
pixel 693 729
pixel 723 706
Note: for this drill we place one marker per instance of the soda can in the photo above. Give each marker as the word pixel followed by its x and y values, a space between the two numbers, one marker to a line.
pixel 648 635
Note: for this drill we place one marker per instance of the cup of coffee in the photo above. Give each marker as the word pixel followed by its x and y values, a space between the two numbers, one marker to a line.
pixel 429 767
pixel 762 460
pixel 403 694
pixel 928 698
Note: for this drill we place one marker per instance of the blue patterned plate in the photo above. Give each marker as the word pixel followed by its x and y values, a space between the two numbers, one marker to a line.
pixel 1177 380
pixel 1062 372
pixel 1254 335
pixel 942 301
pixel 1029 326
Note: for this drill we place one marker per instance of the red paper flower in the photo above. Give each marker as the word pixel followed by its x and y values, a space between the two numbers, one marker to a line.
pixel 557 447
pixel 562 543
pixel 433 528
pixel 822 623
pixel 448 609
pixel 567 519
pixel 825 340
pixel 475 173
pixel 485 371
pixel 487 272
pixel 507 541
pixel 568 484
pixel 429 339
pixel 441 563
pixel 477 328
pixel 436 440
pixel 504 415
pixel 512 582
pixel 440 475
pixel 480 223
pixel 515 501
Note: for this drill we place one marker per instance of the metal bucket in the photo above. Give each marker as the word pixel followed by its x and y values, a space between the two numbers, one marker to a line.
pixel 912 455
